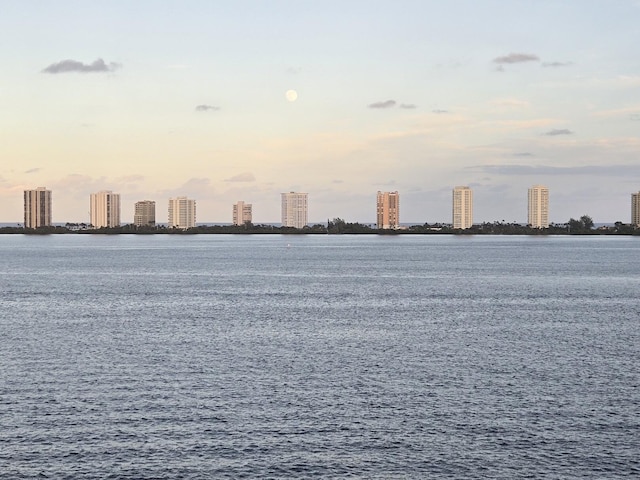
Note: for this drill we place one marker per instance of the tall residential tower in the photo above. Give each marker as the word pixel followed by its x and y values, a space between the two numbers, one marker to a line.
pixel 242 213
pixel 105 209
pixel 294 209
pixel 144 214
pixel 388 210
pixel 182 213
pixel 538 216
pixel 37 208
pixel 635 209
pixel 462 207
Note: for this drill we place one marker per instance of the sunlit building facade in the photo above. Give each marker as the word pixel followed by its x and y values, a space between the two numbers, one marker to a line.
pixel 37 208
pixel 144 214
pixel 388 210
pixel 182 213
pixel 294 209
pixel 105 209
pixel 242 213
pixel 538 211
pixel 635 209
pixel 462 207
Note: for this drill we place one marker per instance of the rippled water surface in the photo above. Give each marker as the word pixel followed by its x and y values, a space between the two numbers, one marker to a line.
pixel 213 356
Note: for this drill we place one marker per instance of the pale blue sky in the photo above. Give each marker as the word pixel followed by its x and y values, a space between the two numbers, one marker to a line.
pixel 498 95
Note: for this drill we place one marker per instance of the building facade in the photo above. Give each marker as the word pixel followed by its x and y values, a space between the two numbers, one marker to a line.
pixel 144 214
pixel 388 210
pixel 538 211
pixel 294 209
pixel 635 209
pixel 105 209
pixel 462 207
pixel 242 213
pixel 182 213
pixel 37 208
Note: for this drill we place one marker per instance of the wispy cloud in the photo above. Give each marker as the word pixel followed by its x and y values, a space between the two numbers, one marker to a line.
pixel 33 170
pixel 293 70
pixel 523 154
pixel 385 104
pixel 516 58
pixel 599 170
pixel 408 106
pixel 206 108
pixel 556 64
pixel 70 66
pixel 558 131
pixel 242 177
pixel 439 111
pixel 635 117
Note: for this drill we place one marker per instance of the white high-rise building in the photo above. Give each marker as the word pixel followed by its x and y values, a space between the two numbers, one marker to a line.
pixel 37 208
pixel 105 209
pixel 294 209
pixel 242 213
pixel 388 210
pixel 182 213
pixel 145 213
pixel 538 216
pixel 462 207
pixel 635 209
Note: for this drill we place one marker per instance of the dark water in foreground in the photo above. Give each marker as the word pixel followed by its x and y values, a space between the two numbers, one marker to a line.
pixel 335 356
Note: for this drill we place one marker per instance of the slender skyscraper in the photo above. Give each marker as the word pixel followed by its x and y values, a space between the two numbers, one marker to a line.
pixel 294 209
pixel 538 216
pixel 105 209
pixel 37 208
pixel 388 210
pixel 145 213
pixel 242 213
pixel 635 209
pixel 182 213
pixel 462 207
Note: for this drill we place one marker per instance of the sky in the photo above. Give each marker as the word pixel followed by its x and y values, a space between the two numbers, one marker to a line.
pixel 157 99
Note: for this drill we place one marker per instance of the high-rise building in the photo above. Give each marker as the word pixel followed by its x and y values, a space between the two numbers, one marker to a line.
pixel 388 210
pixel 538 216
pixel 635 209
pixel 182 213
pixel 294 209
pixel 144 214
pixel 242 213
pixel 462 207
pixel 105 209
pixel 37 208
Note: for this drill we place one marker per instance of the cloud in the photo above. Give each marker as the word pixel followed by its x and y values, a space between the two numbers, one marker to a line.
pixel 516 58
pixel 597 170
pixel 558 131
pixel 294 70
pixel 206 108
pixel 408 106
pixel 523 154
pixel 242 177
pixel 385 104
pixel 439 111
pixel 556 64
pixel 635 117
pixel 68 66
pixel 33 170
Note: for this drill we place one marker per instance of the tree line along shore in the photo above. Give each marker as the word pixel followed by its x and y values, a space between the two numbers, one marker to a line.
pixel 582 226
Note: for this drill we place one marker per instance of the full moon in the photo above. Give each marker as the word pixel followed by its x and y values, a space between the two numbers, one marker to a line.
pixel 291 95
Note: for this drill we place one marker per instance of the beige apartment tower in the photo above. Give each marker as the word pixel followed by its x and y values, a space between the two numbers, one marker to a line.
pixel 538 211
pixel 388 210
pixel 144 214
pixel 182 213
pixel 462 207
pixel 294 209
pixel 37 208
pixel 635 209
pixel 242 213
pixel 105 209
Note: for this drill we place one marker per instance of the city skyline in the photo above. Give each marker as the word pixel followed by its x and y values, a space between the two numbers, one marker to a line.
pixel 337 99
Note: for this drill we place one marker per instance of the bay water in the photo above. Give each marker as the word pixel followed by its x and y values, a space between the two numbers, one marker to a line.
pixel 292 356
